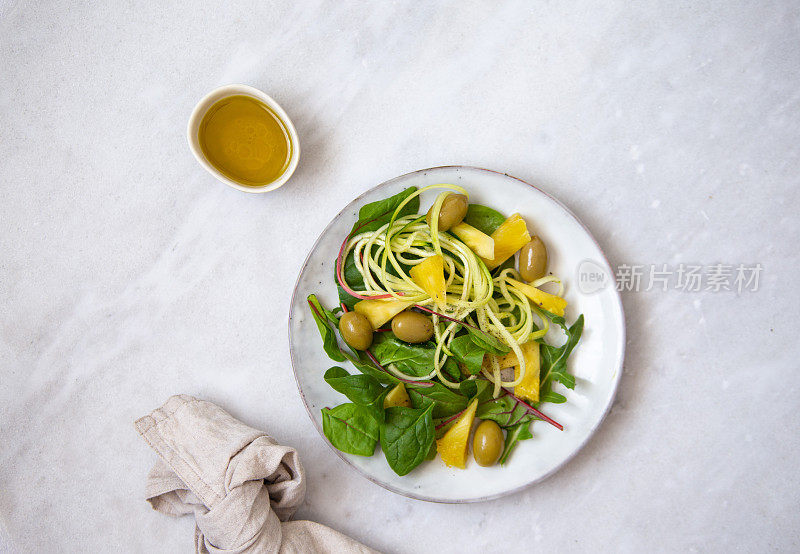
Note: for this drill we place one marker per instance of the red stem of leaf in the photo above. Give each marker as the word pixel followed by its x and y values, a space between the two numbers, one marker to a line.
pixel 340 274
pixel 534 411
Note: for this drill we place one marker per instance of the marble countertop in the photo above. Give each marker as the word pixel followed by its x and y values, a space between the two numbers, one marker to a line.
pixel 128 274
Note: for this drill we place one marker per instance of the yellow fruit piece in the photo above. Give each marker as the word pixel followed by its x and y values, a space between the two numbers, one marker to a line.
pixel 550 302
pixel 380 311
pixel 508 239
pixel 507 360
pixel 480 243
pixel 528 388
pixel 397 397
pixel 429 275
pixel 453 445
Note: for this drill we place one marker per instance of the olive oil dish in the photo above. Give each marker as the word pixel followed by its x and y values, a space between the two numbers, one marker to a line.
pixel 244 138
pixel 446 330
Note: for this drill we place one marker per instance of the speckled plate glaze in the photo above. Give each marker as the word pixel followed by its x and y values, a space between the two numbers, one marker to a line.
pixel 596 362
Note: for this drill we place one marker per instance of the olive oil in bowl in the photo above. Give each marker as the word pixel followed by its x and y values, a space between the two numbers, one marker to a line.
pixel 246 141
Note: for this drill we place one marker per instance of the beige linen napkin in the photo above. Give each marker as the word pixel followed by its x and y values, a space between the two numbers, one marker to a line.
pixel 240 484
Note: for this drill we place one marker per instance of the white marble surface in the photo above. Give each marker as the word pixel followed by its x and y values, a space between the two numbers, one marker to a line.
pixel 127 274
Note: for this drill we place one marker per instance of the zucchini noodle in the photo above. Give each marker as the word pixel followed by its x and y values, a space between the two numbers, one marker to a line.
pixel 384 256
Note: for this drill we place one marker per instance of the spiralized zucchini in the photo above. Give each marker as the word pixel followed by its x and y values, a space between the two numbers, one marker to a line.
pixel 474 296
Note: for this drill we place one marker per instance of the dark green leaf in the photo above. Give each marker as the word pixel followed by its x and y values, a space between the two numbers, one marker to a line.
pixel 431 452
pixel 328 335
pixel 361 389
pixel 353 278
pixel 445 401
pixel 487 342
pixel 468 353
pixel 476 388
pixel 406 437
pixel 505 411
pixel 351 428
pixel 519 432
pixel 552 397
pixel 365 366
pixel 451 369
pixel 411 359
pixel 486 220
pixel 374 215
pixel 554 359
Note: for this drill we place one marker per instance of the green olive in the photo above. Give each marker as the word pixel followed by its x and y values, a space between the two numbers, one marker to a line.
pixel 487 444
pixel 356 330
pixel 533 260
pixel 453 210
pixel 412 327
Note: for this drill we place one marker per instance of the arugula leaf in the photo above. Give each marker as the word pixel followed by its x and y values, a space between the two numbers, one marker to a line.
pixel 406 437
pixel 505 411
pixel 468 353
pixel 351 428
pixel 552 397
pixel 411 359
pixel 361 389
pixel 486 220
pixel 476 388
pixel 445 401
pixel 519 432
pixel 554 360
pixel 487 342
pixel 374 215
pixel 322 317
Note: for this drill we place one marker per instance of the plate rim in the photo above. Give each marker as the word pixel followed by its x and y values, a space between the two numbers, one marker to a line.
pixel 616 377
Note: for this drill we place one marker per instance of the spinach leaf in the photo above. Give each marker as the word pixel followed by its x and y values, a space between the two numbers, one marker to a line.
pixel 468 353
pixel 361 389
pixel 445 401
pixel 322 318
pixel 450 367
pixel 519 432
pixel 486 220
pixel 365 366
pixel 487 342
pixel 374 215
pixel 411 359
pixel 554 360
pixel 505 411
pixel 351 428
pixel 352 277
pixel 476 388
pixel 406 437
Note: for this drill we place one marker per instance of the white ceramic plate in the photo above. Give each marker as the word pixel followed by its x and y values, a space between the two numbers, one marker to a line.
pixel 596 362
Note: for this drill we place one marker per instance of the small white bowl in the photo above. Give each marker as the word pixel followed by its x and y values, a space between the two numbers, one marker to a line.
pixel 237 90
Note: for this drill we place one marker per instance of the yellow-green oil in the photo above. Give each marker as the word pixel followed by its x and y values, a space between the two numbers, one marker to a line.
pixel 245 140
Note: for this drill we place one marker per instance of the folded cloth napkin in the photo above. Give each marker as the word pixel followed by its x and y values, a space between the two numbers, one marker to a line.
pixel 239 483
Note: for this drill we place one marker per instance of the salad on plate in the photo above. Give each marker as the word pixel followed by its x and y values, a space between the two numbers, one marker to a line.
pixel 445 316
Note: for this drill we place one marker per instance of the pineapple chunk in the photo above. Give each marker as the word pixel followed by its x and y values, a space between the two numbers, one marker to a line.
pixel 380 311
pixel 480 243
pixel 397 397
pixel 508 239
pixel 550 302
pixel 453 445
pixel 528 389
pixel 508 360
pixel 429 275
